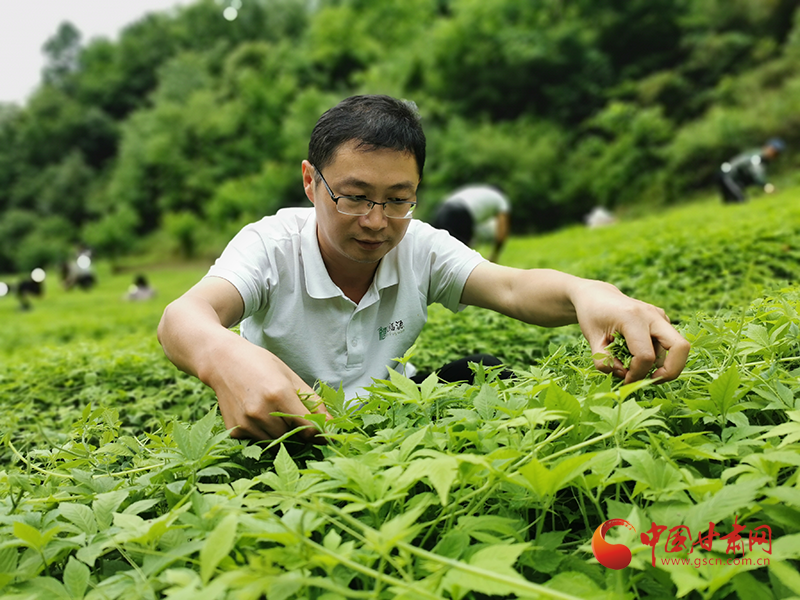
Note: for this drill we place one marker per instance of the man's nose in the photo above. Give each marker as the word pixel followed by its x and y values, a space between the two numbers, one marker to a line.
pixel 375 219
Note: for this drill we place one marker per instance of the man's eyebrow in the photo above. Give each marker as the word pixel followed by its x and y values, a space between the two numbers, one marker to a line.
pixel 354 182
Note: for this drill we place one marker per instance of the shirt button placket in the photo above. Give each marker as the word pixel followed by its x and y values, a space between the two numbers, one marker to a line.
pixel 355 352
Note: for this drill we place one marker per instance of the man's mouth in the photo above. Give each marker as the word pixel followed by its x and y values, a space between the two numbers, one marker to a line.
pixel 370 244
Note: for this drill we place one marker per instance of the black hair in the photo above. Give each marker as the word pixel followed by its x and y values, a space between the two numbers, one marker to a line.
pixel 376 121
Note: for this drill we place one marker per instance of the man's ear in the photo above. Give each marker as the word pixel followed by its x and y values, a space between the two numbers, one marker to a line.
pixel 308 180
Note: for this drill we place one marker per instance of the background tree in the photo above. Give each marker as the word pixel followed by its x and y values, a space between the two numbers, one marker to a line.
pixel 189 119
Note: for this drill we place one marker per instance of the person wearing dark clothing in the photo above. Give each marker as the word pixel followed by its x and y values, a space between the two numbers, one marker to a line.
pixel 32 286
pixel 460 370
pixel 748 169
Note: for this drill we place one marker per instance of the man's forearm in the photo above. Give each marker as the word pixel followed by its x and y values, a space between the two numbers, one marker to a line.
pixel 547 297
pixel 542 297
pixel 191 334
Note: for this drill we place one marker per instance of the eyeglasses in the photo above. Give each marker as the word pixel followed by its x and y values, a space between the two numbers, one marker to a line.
pixel 358 206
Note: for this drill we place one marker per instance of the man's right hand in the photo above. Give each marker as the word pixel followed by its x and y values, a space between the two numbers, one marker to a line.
pixel 251 383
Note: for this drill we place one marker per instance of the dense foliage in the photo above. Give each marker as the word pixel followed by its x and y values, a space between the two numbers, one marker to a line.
pixel 191 125
pixel 117 479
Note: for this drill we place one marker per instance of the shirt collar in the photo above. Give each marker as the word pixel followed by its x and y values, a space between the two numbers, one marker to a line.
pixel 388 271
pixel 319 283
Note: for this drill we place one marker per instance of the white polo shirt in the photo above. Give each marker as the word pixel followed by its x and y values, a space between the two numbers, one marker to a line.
pixel 293 309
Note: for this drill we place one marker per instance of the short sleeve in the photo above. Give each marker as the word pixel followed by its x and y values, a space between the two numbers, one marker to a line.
pixel 246 264
pixel 450 263
pixel 503 203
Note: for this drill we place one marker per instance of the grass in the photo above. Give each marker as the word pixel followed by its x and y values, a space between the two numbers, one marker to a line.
pixel 61 317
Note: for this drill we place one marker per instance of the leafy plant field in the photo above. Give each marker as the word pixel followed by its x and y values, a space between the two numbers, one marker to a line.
pixel 117 479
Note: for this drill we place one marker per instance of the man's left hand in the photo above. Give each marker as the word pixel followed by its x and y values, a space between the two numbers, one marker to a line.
pixel 651 339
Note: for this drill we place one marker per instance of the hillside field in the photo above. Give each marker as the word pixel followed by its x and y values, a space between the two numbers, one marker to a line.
pixel 118 480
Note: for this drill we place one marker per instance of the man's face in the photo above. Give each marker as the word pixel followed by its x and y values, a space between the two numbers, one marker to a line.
pixel 770 152
pixel 380 175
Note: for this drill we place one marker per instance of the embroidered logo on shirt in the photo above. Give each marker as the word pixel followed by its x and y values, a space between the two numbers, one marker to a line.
pixel 394 328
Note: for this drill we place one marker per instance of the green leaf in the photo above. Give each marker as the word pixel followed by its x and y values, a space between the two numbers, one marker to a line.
pixel 545 556
pixel 135 508
pixel 785 494
pixel 105 505
pixel 749 588
pixel 252 451
pixel 485 401
pixel 48 587
pixel 498 559
pixel 427 386
pixel 730 500
pixel 400 528
pixel 441 472
pixel 404 384
pixel 373 419
pixel 332 540
pixel 286 469
pixel 546 482
pixel 411 442
pixel 650 473
pixel 723 390
pixel 783 457
pixel 489 529
pixel 80 515
pixel 285 586
pixel 556 399
pixel 631 388
pixel 181 436
pixel 217 546
pixel 787 575
pixel 577 584
pixel 200 435
pixel 8 560
pixel 89 554
pixel 758 334
pixel 453 544
pixel 76 578
pixel 360 474
pixel 787 547
pixel 32 537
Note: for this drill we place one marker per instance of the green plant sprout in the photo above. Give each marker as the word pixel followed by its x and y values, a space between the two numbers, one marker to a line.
pixel 618 348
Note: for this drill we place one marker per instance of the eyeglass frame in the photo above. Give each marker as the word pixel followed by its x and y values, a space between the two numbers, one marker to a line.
pixel 372 203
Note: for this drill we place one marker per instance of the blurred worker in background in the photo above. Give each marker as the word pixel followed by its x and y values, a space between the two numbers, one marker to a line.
pixel 140 289
pixel 599 216
pixel 476 214
pixel 748 169
pixel 32 286
pixel 80 271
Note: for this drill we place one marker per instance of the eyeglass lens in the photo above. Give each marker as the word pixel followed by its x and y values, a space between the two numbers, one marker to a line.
pixel 357 206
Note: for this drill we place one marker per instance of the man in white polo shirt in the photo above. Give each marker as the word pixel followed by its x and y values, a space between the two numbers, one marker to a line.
pixel 476 213
pixel 337 291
